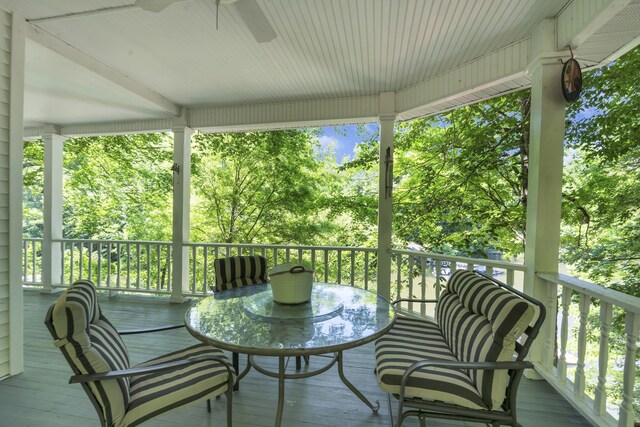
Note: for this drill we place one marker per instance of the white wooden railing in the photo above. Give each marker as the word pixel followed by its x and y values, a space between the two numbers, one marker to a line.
pixel 587 381
pixel 420 274
pixel 336 264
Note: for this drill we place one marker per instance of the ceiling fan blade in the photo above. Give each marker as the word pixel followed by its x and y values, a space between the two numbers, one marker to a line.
pixel 256 20
pixel 154 5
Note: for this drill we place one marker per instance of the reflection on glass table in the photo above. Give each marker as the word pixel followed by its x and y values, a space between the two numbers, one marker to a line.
pixel 247 320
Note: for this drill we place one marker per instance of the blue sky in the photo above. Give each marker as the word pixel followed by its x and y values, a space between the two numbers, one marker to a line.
pixel 343 139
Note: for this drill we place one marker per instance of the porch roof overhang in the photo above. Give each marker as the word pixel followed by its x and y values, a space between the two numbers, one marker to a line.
pixel 107 66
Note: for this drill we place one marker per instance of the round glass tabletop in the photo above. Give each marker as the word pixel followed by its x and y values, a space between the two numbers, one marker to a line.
pixel 246 320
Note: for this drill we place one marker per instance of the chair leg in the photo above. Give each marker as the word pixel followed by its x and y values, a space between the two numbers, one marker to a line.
pixel 229 394
pixel 299 362
pixel 209 405
pixel 236 366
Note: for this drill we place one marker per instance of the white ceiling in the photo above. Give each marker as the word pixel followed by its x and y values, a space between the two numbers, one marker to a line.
pixel 132 65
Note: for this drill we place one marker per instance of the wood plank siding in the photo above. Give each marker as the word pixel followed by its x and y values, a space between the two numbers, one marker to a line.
pixel 5 85
pixel 41 396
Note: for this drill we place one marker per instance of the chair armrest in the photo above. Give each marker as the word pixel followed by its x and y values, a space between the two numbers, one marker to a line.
pixel 164 367
pixel 145 330
pixel 414 300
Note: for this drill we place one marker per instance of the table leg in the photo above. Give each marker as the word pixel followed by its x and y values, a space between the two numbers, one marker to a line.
pixel 281 372
pixel 374 408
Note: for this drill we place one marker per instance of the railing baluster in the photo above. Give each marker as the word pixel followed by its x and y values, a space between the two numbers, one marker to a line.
pixel 99 264
pixel 147 248
pixel 339 255
pixel 582 347
pixel 168 261
pixel 366 269
pixel 438 266
pixel 71 249
pixel 138 272
pixel 410 281
pixel 313 259
pixel 80 259
pixel 399 276
pixel 600 401
pixel 194 269
pixel 564 333
pixel 631 329
pixel 158 268
pixel 510 276
pixel 118 266
pixel 128 283
pixel 423 284
pixel 90 261
pixel 326 265
pixel 352 272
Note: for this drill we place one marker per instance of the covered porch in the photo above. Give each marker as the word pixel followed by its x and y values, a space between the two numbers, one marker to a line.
pixel 104 68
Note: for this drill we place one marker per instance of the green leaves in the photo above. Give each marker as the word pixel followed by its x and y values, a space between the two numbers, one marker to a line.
pixel 259 187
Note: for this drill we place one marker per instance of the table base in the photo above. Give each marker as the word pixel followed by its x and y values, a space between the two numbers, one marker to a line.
pixel 282 375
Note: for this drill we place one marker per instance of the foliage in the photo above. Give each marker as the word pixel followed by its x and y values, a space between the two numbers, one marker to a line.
pixel 118 187
pixel 602 197
pixel 461 178
pixel 115 187
pixel 260 187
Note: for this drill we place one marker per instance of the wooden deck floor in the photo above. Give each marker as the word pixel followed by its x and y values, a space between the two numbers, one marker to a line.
pixel 41 396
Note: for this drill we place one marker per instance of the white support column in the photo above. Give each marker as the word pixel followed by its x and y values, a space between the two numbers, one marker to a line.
pixel 545 184
pixel 386 119
pixel 52 216
pixel 181 211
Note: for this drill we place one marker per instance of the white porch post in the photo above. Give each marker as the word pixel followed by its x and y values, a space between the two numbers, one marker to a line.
pixel 545 183
pixel 386 120
pixel 52 217
pixel 181 211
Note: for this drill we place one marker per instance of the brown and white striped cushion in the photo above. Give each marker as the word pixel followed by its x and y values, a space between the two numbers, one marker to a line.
pixel 411 340
pixel 93 345
pixel 155 394
pixel 239 271
pixel 481 322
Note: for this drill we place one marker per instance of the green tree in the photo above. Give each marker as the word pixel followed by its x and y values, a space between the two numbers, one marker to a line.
pixel 602 192
pixel 260 187
pixel 118 187
pixel 461 177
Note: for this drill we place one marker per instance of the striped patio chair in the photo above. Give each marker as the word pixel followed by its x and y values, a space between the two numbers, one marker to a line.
pixel 124 395
pixel 239 271
pixel 467 363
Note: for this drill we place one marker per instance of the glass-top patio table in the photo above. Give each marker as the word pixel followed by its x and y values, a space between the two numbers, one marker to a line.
pixel 247 320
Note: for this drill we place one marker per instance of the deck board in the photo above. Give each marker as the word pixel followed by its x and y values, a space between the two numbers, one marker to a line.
pixel 41 395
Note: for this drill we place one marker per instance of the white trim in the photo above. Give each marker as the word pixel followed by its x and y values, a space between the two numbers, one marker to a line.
pixel 53 43
pixel 16 101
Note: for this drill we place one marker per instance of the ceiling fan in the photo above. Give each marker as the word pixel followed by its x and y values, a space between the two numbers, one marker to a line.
pixel 249 11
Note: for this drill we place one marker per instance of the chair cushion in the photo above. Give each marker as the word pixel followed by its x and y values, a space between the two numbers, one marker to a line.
pixel 153 394
pixel 238 271
pixel 92 345
pixel 481 321
pixel 411 340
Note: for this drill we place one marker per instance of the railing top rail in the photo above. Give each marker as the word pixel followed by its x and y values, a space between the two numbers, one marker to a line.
pixel 469 260
pixel 133 242
pixel 259 245
pixel 617 298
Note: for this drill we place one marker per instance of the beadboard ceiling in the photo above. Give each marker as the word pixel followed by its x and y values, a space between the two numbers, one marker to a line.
pixel 127 64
